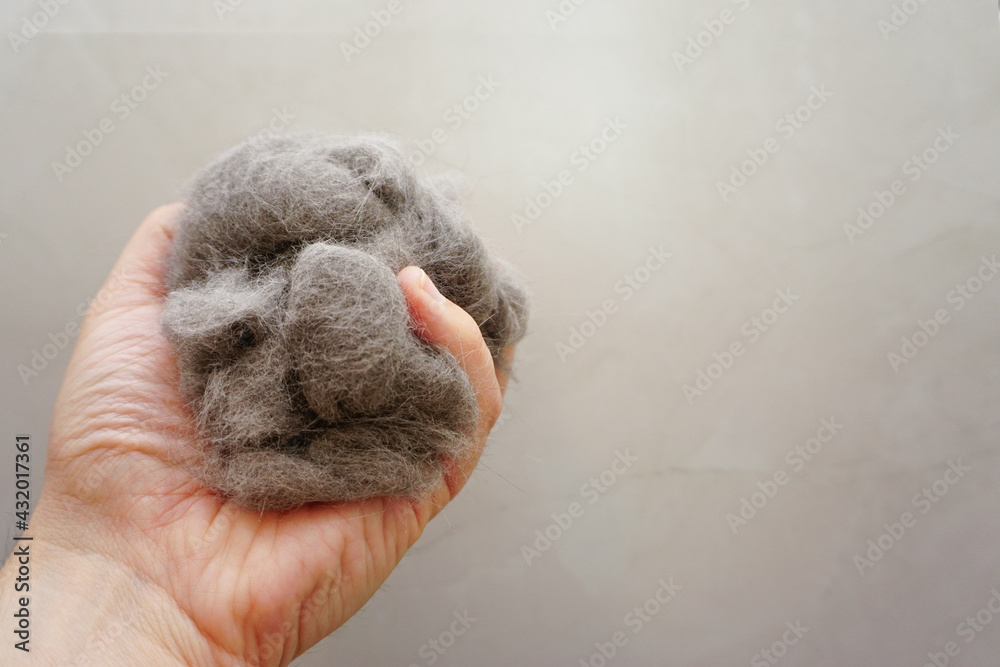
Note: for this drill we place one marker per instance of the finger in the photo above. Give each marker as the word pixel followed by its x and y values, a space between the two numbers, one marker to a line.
pixel 443 323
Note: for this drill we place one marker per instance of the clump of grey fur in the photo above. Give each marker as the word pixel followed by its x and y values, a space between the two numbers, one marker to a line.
pixel 293 336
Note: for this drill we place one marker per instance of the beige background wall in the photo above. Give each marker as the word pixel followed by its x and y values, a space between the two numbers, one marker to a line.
pixel 678 129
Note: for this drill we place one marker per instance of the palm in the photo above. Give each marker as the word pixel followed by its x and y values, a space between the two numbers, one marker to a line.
pixel 259 583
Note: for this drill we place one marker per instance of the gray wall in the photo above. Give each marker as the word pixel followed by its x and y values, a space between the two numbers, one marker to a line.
pixel 855 293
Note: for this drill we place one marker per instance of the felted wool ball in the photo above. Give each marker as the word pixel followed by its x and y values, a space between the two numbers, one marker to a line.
pixel 293 338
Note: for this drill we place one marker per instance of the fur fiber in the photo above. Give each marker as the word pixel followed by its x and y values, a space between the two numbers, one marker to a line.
pixel 293 337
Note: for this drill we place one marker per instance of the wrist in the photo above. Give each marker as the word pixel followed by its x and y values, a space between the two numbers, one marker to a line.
pixel 86 608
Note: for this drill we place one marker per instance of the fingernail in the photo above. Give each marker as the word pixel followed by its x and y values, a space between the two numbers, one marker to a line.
pixel 431 289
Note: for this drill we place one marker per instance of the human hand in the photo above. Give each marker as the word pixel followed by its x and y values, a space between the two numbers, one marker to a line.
pixel 135 562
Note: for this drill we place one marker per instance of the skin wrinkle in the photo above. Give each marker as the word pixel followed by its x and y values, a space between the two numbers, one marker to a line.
pixel 296 350
pixel 150 590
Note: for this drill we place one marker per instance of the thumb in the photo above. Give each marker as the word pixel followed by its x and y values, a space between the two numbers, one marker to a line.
pixel 441 322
